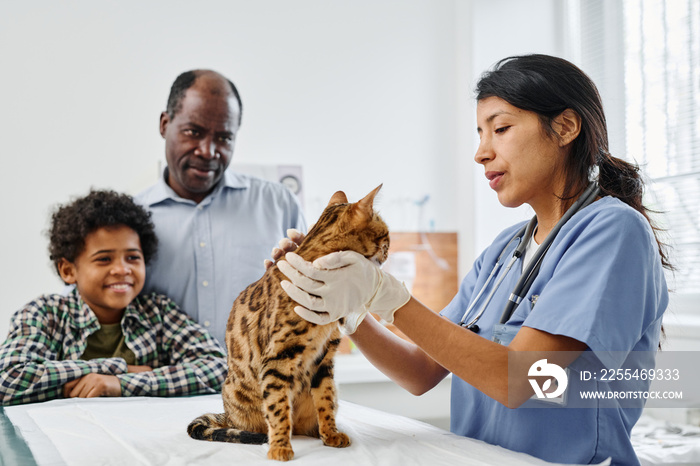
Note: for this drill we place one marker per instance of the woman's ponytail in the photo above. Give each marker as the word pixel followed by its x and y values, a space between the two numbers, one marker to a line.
pixel 620 179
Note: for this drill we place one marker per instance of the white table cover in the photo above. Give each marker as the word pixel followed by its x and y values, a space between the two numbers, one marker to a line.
pixel 152 431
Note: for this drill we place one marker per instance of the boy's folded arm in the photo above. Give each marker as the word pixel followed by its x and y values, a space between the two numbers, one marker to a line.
pixel 204 375
pixel 29 366
pixel 193 361
pixel 196 366
pixel 24 378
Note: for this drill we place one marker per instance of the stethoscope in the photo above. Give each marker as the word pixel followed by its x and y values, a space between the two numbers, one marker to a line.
pixel 522 238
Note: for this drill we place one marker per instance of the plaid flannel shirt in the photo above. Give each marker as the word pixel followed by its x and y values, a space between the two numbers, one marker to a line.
pixel 48 336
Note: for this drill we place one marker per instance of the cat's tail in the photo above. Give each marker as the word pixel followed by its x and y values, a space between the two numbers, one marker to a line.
pixel 215 428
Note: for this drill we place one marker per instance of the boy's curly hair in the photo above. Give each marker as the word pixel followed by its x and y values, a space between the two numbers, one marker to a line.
pixel 71 223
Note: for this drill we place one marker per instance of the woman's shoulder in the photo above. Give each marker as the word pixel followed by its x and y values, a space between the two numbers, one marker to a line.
pixel 614 213
pixel 610 204
pixel 611 225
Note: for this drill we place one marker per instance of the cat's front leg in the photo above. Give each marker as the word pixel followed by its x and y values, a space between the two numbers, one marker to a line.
pixel 278 413
pixel 324 395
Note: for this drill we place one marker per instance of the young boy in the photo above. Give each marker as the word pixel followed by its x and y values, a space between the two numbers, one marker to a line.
pixel 103 339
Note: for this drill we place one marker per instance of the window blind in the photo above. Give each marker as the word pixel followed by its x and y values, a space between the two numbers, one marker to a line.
pixel 662 119
pixel 644 56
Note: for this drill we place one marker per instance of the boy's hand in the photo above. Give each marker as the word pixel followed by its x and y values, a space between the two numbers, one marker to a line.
pixel 93 385
pixel 135 369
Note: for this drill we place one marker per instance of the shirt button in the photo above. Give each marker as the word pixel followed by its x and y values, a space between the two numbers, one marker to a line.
pixel 205 283
pixel 199 207
pixel 202 244
pixel 207 323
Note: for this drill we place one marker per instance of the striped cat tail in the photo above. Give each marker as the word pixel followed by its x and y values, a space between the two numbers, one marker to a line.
pixel 213 427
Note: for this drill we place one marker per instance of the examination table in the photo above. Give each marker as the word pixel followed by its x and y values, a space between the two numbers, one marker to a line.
pixel 152 431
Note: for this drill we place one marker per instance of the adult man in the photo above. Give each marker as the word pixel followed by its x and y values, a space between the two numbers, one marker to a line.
pixel 215 227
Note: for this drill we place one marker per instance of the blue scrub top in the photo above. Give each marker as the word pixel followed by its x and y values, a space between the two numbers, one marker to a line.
pixel 601 283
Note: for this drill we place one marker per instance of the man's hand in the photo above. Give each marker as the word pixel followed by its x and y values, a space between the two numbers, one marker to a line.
pixel 289 244
pixel 93 385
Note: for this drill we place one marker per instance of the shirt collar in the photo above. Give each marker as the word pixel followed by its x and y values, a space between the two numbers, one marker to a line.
pixel 84 317
pixel 162 191
pixel 134 314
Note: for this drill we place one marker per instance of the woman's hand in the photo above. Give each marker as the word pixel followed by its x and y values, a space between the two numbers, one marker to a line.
pixel 339 285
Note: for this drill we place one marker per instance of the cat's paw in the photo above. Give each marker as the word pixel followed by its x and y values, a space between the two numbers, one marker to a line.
pixel 337 440
pixel 280 453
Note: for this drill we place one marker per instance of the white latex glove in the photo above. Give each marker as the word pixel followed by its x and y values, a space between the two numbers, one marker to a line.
pixel 291 243
pixel 350 321
pixel 341 285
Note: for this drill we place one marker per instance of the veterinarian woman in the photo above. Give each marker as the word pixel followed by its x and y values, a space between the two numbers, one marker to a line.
pixel 599 291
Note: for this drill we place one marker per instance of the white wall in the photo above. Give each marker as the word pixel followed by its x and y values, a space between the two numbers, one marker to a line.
pixel 359 92
pixel 504 28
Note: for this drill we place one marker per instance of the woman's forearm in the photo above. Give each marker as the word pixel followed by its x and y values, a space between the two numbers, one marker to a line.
pixel 481 363
pixel 499 372
pixel 401 360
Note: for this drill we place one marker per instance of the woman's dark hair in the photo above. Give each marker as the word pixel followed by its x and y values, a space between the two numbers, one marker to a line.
pixel 71 223
pixel 547 86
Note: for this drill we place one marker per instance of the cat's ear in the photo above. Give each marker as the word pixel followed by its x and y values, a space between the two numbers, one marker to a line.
pixel 338 198
pixel 365 206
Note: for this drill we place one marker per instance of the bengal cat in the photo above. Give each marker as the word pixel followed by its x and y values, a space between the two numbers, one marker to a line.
pixel 280 367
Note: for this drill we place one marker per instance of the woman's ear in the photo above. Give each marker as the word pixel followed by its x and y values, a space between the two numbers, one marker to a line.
pixel 66 270
pixel 567 125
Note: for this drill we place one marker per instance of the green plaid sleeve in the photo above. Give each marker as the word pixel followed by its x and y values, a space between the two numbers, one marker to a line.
pixel 190 360
pixel 30 365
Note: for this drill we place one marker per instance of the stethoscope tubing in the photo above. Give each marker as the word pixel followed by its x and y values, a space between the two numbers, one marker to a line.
pixel 532 269
pixel 517 252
